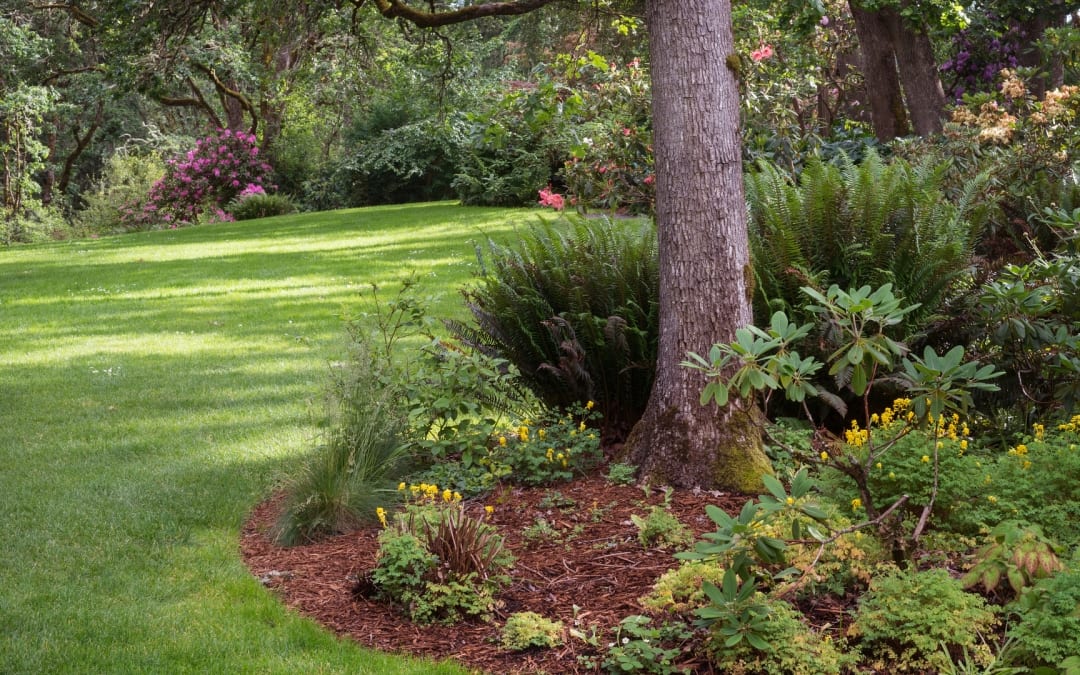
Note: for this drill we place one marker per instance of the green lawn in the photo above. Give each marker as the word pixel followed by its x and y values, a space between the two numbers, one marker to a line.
pixel 153 388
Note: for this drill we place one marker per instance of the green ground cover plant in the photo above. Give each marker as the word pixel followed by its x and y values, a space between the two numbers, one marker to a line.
pixel 156 386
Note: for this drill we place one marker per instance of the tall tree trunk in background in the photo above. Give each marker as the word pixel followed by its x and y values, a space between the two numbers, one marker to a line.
pixel 1052 70
pixel 918 73
pixel 703 246
pixel 887 111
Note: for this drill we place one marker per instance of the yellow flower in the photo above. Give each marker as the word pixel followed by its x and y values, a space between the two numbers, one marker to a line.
pixel 541 434
pixel 790 501
pixel 824 456
pixel 380 513
pixel 589 405
pixel 1040 432
pixel 581 427
pixel 401 486
pixel 489 509
pixel 926 459
pixel 991 498
pixel 940 445
pixel 856 504
pixel 457 496
pixel 551 454
pixel 1026 465
pixel 879 466
pixel 964 444
pixel 523 433
pixel 502 441
pixel 892 475
pixel 1021 449
pixel 447 495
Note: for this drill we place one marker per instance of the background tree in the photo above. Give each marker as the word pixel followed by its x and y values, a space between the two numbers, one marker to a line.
pixel 703 245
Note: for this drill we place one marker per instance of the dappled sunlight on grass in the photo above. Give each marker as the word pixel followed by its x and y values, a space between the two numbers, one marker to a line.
pixel 154 387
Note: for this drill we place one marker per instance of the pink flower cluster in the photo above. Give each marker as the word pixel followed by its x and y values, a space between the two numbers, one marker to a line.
pixel 552 199
pixel 215 171
pixel 761 53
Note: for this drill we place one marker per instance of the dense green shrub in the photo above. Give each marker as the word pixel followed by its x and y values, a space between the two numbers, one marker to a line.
pixel 1027 321
pixel 260 206
pixel 913 619
pixel 1049 627
pixel 573 305
pixel 851 225
pixel 524 630
pixel 792 648
pixel 610 142
pixel 410 163
pixel 122 190
pixel 511 151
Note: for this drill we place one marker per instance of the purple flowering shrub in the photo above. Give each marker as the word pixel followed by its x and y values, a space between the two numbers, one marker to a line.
pixel 980 52
pixel 217 170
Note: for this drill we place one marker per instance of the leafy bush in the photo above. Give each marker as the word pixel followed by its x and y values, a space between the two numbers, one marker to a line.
pixel 1036 478
pixel 511 151
pixel 1049 627
pixel 1027 319
pixel 554 449
pixel 260 205
pixel 524 630
pixel 1017 553
pixel 118 202
pixel 640 647
pixel 788 647
pixel 441 564
pixel 410 163
pixel 360 461
pixel 573 306
pixel 908 616
pixel 210 175
pixel 610 143
pixel 851 225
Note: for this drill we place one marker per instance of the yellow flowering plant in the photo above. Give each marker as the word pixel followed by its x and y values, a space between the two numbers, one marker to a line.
pixel 764 362
pixel 552 448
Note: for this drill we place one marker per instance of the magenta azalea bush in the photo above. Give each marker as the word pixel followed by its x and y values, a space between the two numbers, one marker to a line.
pixel 218 169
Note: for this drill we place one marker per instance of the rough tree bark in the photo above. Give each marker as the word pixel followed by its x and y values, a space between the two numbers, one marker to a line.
pixel 878 67
pixel 704 253
pixel 918 73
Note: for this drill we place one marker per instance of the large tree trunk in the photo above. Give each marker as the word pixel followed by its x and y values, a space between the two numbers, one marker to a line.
pixel 887 111
pixel 918 73
pixel 704 252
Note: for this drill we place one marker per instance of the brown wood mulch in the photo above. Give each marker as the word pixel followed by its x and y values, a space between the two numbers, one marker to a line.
pixel 590 575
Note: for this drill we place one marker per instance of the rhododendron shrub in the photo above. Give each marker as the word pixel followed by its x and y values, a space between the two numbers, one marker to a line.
pixel 218 169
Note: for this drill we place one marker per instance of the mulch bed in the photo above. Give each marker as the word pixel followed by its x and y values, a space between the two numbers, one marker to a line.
pixel 595 563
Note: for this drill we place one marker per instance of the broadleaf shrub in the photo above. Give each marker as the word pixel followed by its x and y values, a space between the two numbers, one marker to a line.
pixel 210 175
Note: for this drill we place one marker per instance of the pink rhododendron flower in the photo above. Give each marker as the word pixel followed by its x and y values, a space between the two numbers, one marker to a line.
pixel 762 53
pixel 552 199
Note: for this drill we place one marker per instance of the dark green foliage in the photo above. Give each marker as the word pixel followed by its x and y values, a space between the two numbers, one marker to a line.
pixel 411 163
pixel 513 146
pixel 261 206
pixel 852 225
pixel 573 305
